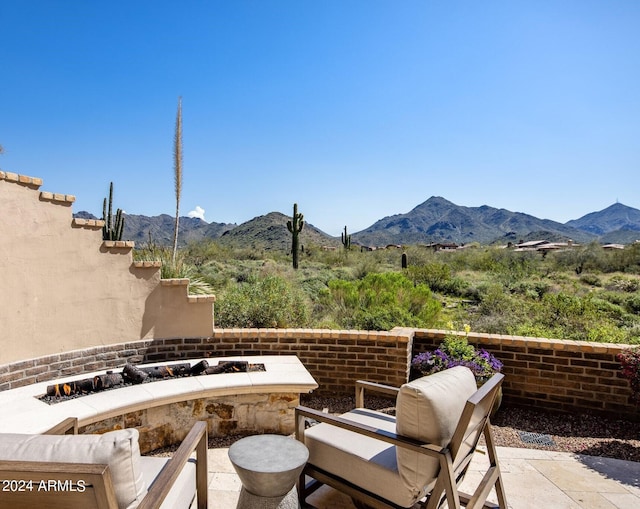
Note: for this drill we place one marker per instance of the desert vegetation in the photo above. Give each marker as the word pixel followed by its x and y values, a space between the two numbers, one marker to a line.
pixel 585 293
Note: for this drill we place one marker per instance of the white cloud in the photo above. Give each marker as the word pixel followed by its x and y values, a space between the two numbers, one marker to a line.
pixel 197 212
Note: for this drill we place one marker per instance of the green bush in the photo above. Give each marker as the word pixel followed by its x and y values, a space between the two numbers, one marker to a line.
pixel 533 289
pixel 270 301
pixel 591 280
pixel 381 302
pixel 632 304
pixel 438 277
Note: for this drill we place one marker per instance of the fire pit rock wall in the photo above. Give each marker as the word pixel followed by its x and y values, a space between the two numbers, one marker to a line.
pixel 163 412
pixel 169 424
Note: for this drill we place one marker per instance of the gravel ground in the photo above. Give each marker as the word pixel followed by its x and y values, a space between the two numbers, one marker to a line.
pixel 513 427
pixel 577 433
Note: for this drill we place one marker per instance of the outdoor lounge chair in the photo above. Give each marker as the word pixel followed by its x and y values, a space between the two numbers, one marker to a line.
pixel 419 456
pixel 106 471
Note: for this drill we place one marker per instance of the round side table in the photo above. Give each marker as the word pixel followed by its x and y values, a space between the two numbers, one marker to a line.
pixel 268 467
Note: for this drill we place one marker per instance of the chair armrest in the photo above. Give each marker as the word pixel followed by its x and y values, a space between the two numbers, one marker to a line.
pixel 67 427
pixel 93 483
pixel 196 440
pixel 386 436
pixel 361 385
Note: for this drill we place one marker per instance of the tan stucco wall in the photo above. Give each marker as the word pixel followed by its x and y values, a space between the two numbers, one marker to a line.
pixel 62 289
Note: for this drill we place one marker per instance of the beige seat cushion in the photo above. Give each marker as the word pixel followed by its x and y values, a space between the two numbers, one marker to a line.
pixel 118 449
pixel 366 462
pixel 183 490
pixel 428 409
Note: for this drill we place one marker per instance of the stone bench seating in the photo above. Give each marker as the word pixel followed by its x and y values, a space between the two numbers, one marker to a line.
pixel 284 374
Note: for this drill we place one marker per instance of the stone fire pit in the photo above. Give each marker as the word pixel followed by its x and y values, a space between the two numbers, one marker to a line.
pixel 163 412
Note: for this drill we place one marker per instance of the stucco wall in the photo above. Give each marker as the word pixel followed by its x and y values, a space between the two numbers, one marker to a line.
pixel 62 288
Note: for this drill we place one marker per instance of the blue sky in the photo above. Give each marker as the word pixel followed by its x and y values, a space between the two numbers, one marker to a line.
pixel 355 110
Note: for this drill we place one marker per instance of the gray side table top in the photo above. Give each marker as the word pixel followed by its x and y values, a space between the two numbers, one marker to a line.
pixel 268 465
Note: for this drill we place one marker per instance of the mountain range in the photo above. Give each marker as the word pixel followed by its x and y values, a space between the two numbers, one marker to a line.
pixel 435 220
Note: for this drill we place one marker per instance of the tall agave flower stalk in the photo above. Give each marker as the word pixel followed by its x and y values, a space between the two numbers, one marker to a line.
pixel 177 167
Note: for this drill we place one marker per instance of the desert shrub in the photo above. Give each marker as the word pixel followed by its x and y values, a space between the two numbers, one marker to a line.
pixel 418 255
pixel 483 260
pixel 491 324
pixel 204 251
pixel 269 301
pixel 582 318
pixel 381 301
pixel 606 333
pixel 591 280
pixel 613 297
pixel 534 330
pixel 474 292
pixel 494 300
pixel 624 283
pixel 438 277
pixel 365 265
pixel 533 289
pixel 198 283
pixel 632 304
pixel 632 332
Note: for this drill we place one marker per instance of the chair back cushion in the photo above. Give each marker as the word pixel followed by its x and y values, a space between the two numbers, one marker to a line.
pixel 118 449
pixel 428 409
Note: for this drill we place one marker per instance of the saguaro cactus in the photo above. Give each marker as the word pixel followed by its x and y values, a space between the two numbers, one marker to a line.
pixel 294 225
pixel 111 230
pixel 346 239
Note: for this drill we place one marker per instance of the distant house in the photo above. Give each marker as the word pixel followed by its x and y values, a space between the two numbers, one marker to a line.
pixel 552 246
pixel 544 245
pixel 532 245
pixel 613 246
pixel 442 246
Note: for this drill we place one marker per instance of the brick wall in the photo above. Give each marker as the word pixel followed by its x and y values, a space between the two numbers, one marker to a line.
pixel 553 374
pixel 336 359
pixel 548 374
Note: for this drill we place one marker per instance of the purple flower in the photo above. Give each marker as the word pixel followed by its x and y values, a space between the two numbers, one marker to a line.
pixel 482 363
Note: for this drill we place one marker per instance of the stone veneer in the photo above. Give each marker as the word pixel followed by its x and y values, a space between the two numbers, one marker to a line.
pixel 165 425
pixel 570 376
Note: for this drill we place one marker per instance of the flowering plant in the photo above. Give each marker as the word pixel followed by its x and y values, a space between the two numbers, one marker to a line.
pixel 630 360
pixel 455 350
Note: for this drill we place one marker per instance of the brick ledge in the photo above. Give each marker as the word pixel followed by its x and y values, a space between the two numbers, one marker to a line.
pixel 118 244
pixel 147 264
pixel 21 179
pixel 88 223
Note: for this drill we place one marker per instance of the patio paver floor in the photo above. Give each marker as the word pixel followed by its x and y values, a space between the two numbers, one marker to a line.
pixel 532 478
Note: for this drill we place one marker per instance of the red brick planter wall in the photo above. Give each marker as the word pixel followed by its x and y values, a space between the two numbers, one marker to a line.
pixel 553 374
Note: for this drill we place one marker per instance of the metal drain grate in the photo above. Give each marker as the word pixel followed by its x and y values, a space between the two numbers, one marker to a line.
pixel 536 438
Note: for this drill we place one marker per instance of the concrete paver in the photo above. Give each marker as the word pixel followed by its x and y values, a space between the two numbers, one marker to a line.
pixel 532 479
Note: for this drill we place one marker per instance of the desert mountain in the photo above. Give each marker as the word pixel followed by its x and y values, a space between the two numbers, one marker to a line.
pixel 159 229
pixel 270 232
pixel 138 228
pixel 435 220
pixel 439 220
pixel 614 218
